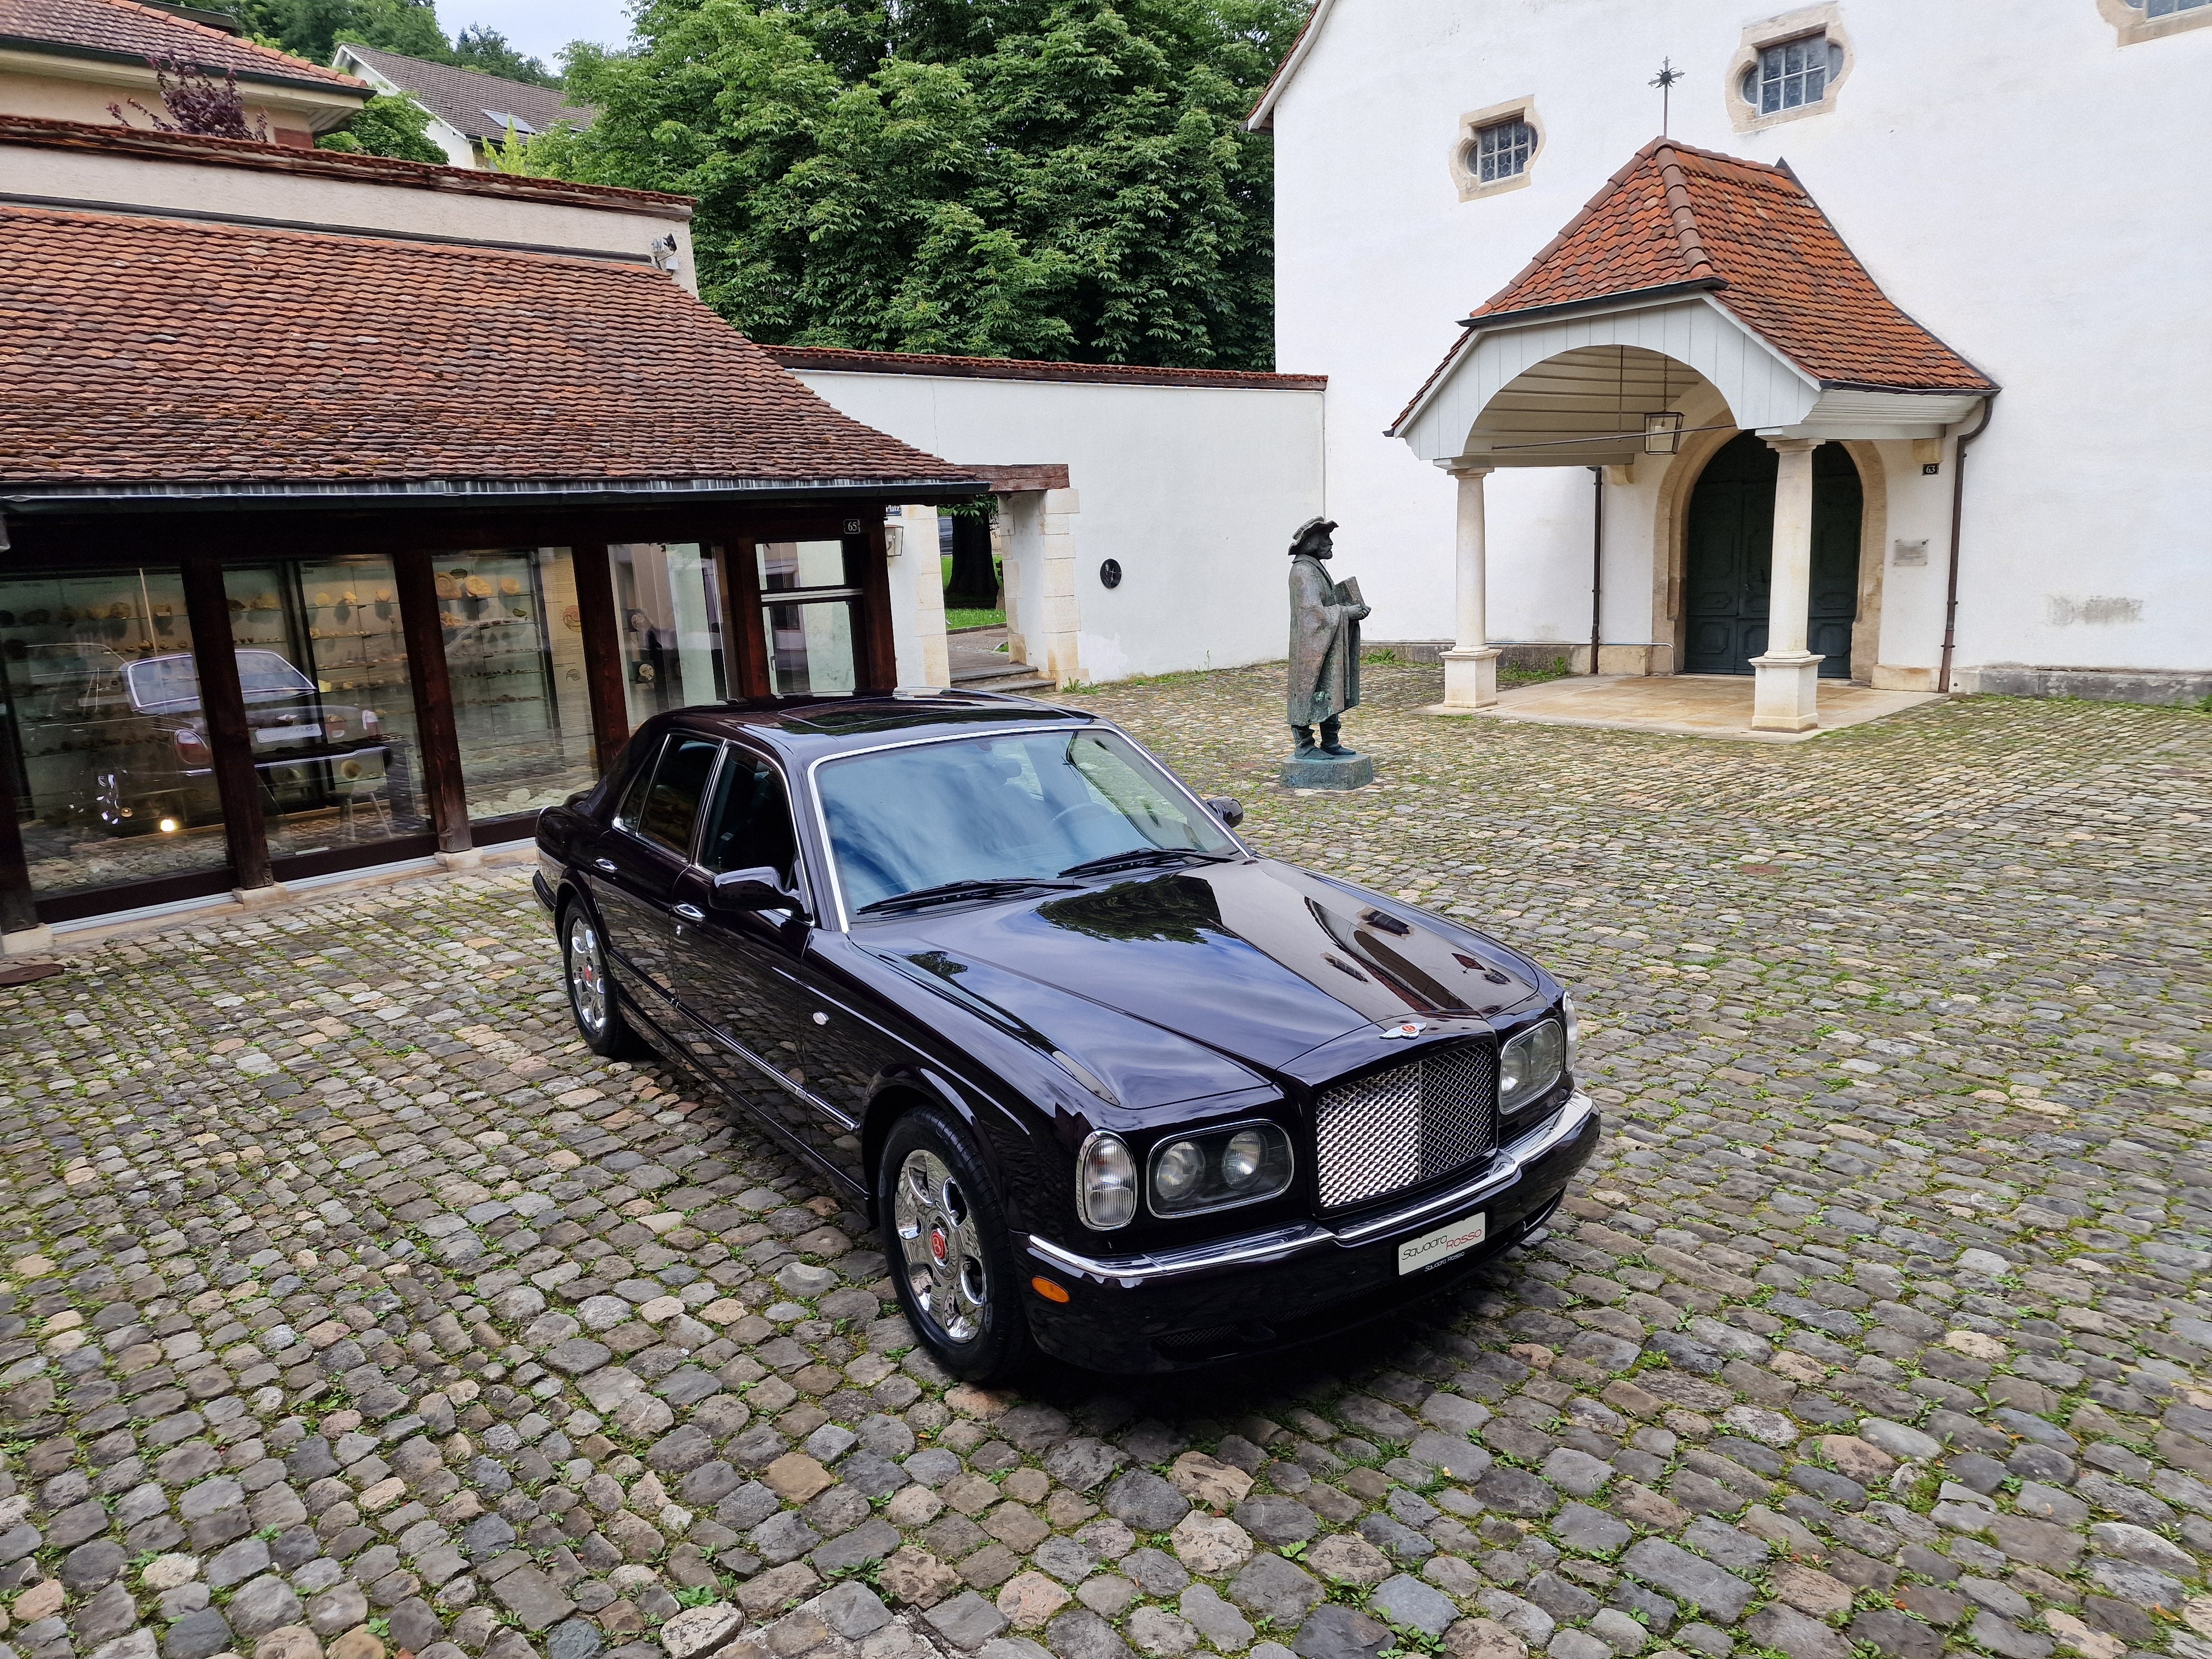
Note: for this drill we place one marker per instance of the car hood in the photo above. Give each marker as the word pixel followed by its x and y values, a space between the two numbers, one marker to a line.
pixel 1174 985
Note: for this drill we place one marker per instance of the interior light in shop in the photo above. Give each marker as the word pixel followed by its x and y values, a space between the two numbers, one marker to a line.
pixel 170 826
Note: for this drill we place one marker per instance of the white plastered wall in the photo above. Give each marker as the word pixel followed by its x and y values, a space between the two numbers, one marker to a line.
pixel 2055 269
pixel 1193 491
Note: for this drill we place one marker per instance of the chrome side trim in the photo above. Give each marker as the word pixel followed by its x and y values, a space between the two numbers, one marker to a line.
pixel 1281 1244
pixel 798 1091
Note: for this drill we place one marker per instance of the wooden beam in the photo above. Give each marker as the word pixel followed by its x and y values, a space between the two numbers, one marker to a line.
pixel 19 908
pixel 421 622
pixel 222 711
pixel 602 664
pixel 747 629
pixel 878 655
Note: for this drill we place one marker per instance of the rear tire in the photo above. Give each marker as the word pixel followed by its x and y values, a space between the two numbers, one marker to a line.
pixel 592 1002
pixel 952 1260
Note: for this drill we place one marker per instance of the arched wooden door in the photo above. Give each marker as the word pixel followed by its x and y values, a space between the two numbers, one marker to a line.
pixel 1729 544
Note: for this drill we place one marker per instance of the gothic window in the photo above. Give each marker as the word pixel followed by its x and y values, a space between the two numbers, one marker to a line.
pixel 1502 150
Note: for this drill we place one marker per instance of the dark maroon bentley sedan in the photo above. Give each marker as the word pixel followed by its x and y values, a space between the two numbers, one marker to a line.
pixel 1110 1082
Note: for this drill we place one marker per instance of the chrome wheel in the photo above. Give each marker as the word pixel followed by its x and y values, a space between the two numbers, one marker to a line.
pixel 936 1229
pixel 587 976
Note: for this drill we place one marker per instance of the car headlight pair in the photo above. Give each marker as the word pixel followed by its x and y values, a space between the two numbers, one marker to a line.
pixel 1532 1063
pixel 1212 1170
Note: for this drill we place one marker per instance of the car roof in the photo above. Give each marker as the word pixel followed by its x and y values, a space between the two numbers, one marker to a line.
pixel 807 727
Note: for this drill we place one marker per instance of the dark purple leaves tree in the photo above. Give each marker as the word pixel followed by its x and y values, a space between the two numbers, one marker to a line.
pixel 197 103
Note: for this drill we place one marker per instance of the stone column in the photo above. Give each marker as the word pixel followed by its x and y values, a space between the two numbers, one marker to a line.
pixel 926 575
pixel 1058 629
pixel 1471 666
pixel 1783 696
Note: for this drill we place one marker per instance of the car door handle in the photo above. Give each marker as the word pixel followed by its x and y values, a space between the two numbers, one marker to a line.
pixel 606 866
pixel 689 912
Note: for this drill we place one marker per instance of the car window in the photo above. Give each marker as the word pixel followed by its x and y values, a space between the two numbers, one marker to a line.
pixel 679 784
pixel 632 802
pixel 750 824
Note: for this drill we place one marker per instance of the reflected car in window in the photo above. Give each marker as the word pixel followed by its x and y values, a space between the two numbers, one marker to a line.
pixel 133 741
pixel 1109 1083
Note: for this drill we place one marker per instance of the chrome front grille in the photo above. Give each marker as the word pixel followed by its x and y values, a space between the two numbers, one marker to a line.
pixel 1413 1123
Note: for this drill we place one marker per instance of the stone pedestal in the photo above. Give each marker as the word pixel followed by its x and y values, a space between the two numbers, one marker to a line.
pixel 469 857
pixel 1320 771
pixel 261 898
pixel 1784 698
pixel 1470 678
pixel 32 941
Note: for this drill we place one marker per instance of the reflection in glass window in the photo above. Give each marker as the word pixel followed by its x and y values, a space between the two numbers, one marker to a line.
pixel 514 658
pixel 671 610
pixel 679 784
pixel 785 565
pixel 102 743
pixel 330 702
pixel 810 638
pixel 1502 150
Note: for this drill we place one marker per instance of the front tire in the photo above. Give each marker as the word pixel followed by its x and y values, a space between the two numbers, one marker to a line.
pixel 591 983
pixel 952 1261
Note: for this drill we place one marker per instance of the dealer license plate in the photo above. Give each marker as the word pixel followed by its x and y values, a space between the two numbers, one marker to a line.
pixel 1446 1241
pixel 286 733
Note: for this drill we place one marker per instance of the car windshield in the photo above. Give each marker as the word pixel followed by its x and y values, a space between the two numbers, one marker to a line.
pixel 174 683
pixel 1023 806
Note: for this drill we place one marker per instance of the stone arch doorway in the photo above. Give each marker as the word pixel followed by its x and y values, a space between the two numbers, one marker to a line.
pixel 1728 534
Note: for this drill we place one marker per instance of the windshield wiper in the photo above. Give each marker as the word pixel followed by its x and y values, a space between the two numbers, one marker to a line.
pixel 1131 857
pixel 946 893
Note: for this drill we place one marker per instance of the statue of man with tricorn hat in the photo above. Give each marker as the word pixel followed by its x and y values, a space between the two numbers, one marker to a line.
pixel 1325 617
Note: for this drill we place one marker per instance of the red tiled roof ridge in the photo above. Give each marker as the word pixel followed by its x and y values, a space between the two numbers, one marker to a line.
pixel 53 133
pixel 305 68
pixel 168 353
pixel 1031 368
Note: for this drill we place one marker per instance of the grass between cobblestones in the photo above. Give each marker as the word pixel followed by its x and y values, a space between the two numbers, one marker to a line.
pixel 349 1306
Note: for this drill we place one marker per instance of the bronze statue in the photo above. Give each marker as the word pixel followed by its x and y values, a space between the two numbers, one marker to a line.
pixel 1325 617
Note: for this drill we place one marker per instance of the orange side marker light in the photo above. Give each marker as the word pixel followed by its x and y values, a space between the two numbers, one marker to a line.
pixel 1049 1290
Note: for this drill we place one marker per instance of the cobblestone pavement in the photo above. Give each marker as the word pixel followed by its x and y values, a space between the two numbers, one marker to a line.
pixel 349 1306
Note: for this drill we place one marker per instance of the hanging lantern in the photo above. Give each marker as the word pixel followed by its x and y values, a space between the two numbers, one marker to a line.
pixel 1662 432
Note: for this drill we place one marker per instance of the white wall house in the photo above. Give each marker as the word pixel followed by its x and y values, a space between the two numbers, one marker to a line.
pixel 2024 190
pixel 1190 481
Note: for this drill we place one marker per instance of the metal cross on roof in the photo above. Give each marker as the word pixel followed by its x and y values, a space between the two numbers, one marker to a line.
pixel 1665 81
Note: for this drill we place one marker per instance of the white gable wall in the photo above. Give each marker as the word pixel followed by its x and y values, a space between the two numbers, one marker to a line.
pixel 2024 186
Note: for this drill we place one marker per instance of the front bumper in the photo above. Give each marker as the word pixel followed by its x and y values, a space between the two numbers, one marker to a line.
pixel 1288 1284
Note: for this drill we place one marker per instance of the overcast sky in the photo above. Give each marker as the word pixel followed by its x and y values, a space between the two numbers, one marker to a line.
pixel 540 27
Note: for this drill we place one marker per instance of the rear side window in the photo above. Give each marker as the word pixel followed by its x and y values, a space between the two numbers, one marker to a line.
pixel 751 824
pixel 669 810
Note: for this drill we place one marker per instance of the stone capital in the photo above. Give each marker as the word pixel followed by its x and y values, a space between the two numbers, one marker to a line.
pixel 1792 446
pixel 1467 469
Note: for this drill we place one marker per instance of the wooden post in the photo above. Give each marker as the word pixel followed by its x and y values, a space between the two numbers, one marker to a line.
pixel 747 632
pixel 223 710
pixel 603 664
pixel 425 631
pixel 879 662
pixel 19 910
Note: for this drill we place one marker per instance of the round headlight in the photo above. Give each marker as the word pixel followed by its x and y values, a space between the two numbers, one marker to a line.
pixel 1242 1157
pixel 1106 1183
pixel 1179 1171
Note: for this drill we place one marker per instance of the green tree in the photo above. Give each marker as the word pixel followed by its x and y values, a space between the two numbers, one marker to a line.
pixel 396 126
pixel 1027 178
pixel 481 47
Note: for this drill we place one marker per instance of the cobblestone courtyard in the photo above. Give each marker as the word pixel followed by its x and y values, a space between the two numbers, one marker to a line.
pixel 349 1306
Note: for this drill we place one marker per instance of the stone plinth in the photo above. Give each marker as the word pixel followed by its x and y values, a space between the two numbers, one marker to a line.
pixel 1319 771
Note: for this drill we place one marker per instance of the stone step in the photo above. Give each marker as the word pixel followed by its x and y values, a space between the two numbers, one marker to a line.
pixel 1018 677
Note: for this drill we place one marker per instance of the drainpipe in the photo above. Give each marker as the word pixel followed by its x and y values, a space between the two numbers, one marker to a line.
pixel 1958 508
pixel 1597 561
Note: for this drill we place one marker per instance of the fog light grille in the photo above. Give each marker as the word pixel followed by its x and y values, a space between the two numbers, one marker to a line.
pixel 1413 1123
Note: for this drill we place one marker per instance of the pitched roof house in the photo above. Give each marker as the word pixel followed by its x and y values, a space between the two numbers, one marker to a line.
pixel 468 109
pixel 332 537
pixel 70 59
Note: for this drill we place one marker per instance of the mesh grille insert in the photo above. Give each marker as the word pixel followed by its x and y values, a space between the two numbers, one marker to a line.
pixel 1410 1124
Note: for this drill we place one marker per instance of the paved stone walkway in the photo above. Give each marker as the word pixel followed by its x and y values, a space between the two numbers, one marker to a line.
pixel 349 1306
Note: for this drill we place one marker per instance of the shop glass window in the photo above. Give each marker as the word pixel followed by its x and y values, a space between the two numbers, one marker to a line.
pixel 808 604
pixel 515 657
pixel 671 608
pixel 1501 151
pixel 1792 74
pixel 330 701
pixel 103 745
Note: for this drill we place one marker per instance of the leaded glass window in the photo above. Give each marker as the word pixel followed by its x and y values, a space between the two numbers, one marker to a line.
pixel 1793 74
pixel 1502 150
pixel 2168 7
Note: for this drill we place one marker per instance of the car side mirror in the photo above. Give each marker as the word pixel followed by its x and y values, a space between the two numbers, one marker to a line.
pixel 1227 808
pixel 755 889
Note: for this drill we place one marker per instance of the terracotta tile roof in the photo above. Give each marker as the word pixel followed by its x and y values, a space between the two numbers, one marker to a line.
pixel 463 99
pixel 1032 369
pixel 164 352
pixel 1676 214
pixel 122 29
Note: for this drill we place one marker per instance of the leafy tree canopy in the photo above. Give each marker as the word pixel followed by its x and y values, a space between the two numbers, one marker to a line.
pixel 313 28
pixel 1027 178
pixel 395 126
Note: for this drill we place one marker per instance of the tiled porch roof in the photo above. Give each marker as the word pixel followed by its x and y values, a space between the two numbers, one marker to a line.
pixel 121 28
pixel 157 352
